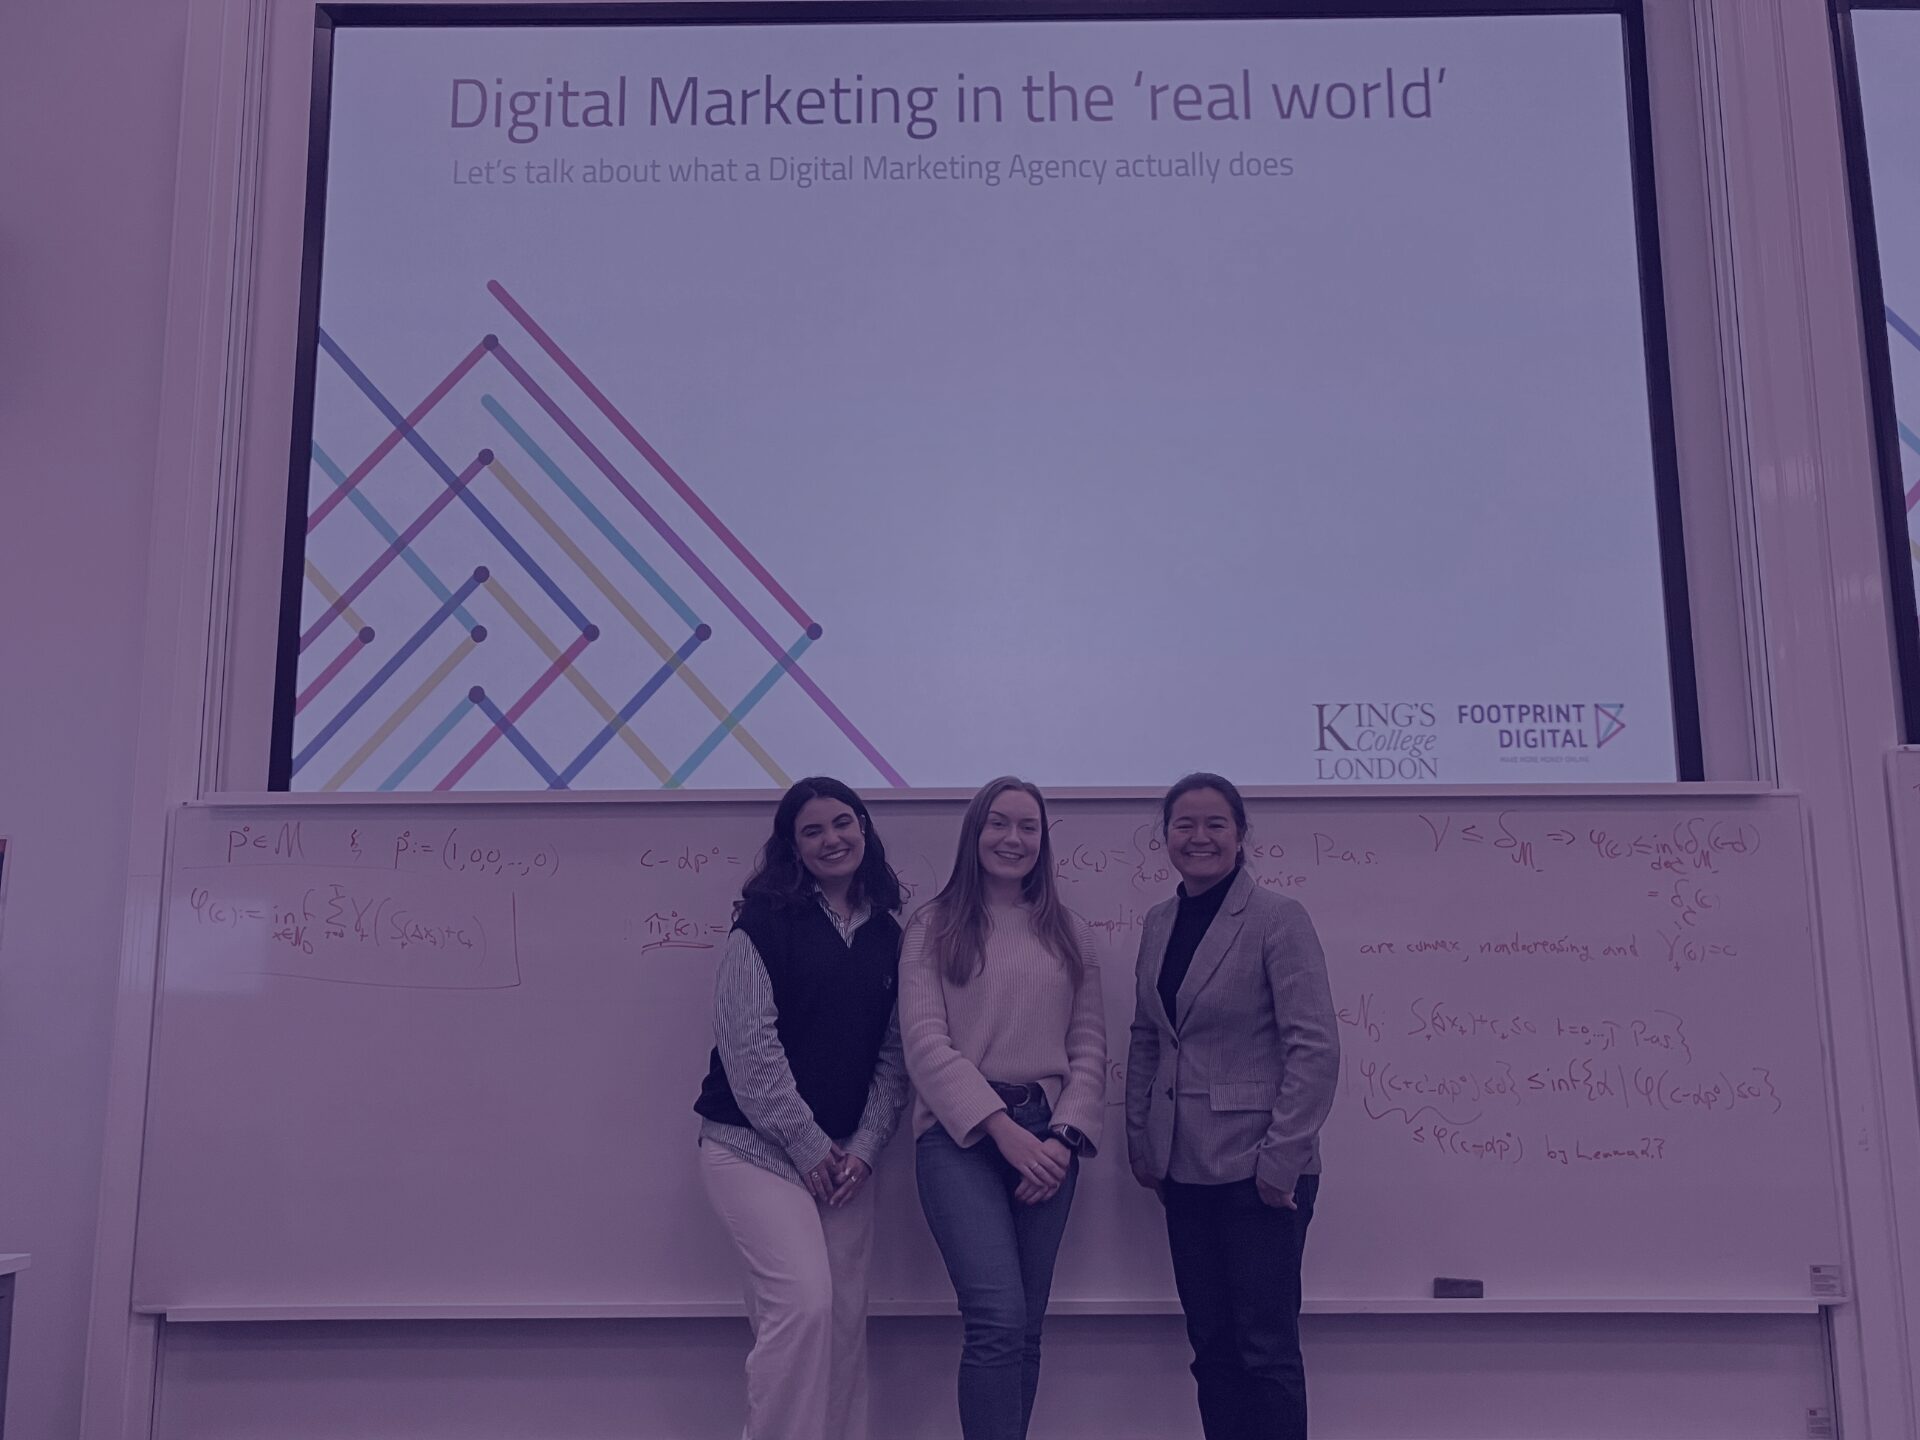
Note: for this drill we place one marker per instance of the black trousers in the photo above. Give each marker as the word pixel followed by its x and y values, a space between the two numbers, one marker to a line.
pixel 1236 1262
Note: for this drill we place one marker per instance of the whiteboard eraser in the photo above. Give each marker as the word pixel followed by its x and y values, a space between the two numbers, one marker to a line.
pixel 1445 1289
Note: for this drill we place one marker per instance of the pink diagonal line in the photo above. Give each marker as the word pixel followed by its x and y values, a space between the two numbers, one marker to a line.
pixel 685 551
pixel 534 692
pixel 352 648
pixel 394 437
pixel 654 457
pixel 401 542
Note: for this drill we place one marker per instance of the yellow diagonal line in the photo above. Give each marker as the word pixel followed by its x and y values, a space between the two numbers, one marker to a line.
pixel 332 596
pixel 407 707
pixel 580 682
pixel 633 617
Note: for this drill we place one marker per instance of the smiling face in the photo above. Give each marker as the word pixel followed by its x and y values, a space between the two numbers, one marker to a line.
pixel 829 840
pixel 1010 838
pixel 1203 840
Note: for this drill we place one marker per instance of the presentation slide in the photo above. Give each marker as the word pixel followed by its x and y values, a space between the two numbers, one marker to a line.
pixel 1887 47
pixel 709 405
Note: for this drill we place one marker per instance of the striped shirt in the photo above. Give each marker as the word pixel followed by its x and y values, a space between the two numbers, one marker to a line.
pixel 784 1139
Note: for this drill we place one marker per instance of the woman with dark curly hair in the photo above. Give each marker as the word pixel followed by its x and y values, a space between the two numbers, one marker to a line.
pixel 804 1087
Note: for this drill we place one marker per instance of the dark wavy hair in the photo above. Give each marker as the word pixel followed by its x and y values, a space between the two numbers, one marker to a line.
pixel 1207 780
pixel 780 879
pixel 956 919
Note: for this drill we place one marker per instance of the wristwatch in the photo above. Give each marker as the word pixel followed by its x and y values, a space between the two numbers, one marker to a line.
pixel 1068 1136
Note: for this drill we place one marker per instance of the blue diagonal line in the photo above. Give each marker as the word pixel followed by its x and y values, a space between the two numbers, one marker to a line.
pixel 386 532
pixel 1909 439
pixel 1905 331
pixel 427 746
pixel 586 507
pixel 452 481
pixel 632 707
pixel 520 742
pixel 386 671
pixel 737 714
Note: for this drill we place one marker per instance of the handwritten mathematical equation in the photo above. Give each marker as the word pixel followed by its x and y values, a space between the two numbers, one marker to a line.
pixel 1676 947
pixel 693 859
pixel 335 914
pixel 1508 1147
pixel 1693 844
pixel 456 851
pixel 469 856
pixel 1388 1089
pixel 1432 1020
pixel 671 930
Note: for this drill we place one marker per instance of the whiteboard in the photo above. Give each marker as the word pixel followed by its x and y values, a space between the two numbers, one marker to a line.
pixel 424 1055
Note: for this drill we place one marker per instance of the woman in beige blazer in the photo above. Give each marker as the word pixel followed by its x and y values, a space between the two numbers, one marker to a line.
pixel 1230 1074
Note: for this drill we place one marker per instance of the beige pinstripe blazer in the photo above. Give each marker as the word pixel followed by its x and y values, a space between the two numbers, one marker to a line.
pixel 1243 1083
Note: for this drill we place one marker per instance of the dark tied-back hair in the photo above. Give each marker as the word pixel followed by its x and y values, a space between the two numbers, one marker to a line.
pixel 957 921
pixel 779 877
pixel 1207 780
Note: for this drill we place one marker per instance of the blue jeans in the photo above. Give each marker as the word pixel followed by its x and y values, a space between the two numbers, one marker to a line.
pixel 1000 1255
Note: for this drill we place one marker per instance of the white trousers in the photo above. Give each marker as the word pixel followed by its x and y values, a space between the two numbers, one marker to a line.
pixel 806 1297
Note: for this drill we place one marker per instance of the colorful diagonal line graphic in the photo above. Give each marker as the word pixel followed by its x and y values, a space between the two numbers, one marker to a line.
pixel 386 671
pixel 730 722
pixel 627 711
pixel 456 485
pixel 549 547
pixel 462 707
pixel 402 426
pixel 639 442
pixel 384 529
pixel 405 708
pixel 361 639
pixel 440 467
pixel 1907 333
pixel 331 595
pixel 612 592
pixel 548 647
pixel 519 707
pixel 693 562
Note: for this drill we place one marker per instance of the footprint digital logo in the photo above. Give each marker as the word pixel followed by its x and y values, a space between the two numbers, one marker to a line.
pixel 1607 723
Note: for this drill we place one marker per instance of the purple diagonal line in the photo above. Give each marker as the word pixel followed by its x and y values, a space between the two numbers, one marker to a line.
pixel 562 663
pixel 632 707
pixel 406 537
pixel 399 657
pixel 654 458
pixel 468 498
pixel 394 436
pixel 360 641
pixel 680 547
pixel 520 742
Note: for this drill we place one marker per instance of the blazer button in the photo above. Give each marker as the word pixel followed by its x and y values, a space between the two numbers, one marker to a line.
pixel 1169 1092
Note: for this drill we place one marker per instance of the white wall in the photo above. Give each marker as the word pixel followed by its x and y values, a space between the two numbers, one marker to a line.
pixel 89 115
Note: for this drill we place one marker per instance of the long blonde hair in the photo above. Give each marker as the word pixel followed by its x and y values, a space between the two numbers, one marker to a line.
pixel 956 919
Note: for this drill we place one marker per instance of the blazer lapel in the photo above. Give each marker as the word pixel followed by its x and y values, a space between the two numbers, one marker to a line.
pixel 1215 943
pixel 1159 931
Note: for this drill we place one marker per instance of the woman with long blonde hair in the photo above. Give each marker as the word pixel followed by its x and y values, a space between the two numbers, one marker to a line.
pixel 1005 1040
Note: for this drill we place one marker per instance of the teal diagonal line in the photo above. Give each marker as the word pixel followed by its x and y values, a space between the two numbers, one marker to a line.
pixel 737 714
pixel 392 536
pixel 427 746
pixel 587 508
pixel 1909 439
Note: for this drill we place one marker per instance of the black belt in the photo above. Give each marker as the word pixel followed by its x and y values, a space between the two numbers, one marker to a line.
pixel 1018 1094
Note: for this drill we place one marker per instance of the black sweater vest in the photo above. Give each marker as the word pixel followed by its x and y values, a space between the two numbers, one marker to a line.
pixel 834 1001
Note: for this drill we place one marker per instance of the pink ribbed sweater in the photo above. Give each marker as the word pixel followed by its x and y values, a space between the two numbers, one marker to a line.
pixel 1021 1020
